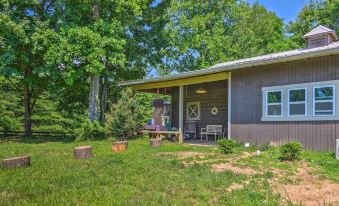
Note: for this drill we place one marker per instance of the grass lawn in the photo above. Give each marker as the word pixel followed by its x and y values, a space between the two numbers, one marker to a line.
pixel 169 175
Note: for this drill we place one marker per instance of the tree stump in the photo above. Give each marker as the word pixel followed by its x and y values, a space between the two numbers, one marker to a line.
pixel 83 152
pixel 23 161
pixel 155 142
pixel 120 146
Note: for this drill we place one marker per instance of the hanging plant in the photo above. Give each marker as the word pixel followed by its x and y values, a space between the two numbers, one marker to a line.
pixel 158 103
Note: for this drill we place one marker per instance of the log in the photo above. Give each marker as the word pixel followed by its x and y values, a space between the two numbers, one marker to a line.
pixel 155 142
pixel 22 161
pixel 83 152
pixel 120 146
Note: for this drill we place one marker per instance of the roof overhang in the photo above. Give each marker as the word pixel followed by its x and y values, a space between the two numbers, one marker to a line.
pixel 221 71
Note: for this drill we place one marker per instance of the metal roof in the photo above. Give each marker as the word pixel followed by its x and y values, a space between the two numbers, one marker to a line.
pixel 291 55
pixel 320 30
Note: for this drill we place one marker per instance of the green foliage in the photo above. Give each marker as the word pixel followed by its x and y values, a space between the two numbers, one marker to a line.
pixel 91 131
pixel 265 147
pixel 202 33
pixel 125 118
pixel 316 13
pixel 8 124
pixel 291 151
pixel 227 146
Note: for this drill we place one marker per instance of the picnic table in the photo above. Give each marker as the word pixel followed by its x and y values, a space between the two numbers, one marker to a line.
pixel 157 134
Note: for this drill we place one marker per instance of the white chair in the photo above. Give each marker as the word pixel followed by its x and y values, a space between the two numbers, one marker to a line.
pixel 215 130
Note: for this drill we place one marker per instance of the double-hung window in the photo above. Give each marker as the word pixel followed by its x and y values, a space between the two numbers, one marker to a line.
pixel 323 100
pixel 297 102
pixel 274 103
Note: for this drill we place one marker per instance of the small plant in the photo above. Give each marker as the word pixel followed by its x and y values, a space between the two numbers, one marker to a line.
pixel 91 131
pixel 227 146
pixel 265 147
pixel 291 151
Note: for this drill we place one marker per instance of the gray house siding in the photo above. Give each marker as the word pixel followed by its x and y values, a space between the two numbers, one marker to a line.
pixel 246 104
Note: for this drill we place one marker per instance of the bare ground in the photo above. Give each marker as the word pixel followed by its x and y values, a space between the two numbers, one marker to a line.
pixel 307 188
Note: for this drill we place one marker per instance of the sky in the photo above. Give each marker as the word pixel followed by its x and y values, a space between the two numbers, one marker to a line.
pixel 286 9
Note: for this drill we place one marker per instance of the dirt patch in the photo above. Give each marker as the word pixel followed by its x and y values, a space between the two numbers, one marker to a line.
pixel 233 168
pixel 311 189
pixel 237 186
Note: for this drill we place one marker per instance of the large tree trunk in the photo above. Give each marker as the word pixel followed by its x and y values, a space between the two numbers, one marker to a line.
pixel 103 99
pixel 93 98
pixel 27 103
pixel 93 107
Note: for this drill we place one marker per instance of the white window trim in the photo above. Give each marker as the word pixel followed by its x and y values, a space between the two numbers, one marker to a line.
pixel 302 102
pixel 314 101
pixel 269 104
pixel 188 104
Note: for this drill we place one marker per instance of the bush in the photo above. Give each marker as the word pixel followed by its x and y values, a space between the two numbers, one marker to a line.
pixel 125 118
pixel 291 151
pixel 265 147
pixel 91 131
pixel 227 146
pixel 8 124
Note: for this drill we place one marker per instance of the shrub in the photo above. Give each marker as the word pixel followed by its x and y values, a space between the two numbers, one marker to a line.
pixel 125 118
pixel 227 146
pixel 265 147
pixel 291 151
pixel 91 131
pixel 7 123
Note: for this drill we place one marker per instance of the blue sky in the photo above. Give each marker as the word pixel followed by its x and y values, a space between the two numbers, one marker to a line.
pixel 286 9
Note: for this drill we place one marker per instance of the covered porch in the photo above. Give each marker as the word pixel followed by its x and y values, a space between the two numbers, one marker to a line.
pixel 199 104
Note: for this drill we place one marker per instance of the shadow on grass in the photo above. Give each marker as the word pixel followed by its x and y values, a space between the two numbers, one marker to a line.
pixel 39 139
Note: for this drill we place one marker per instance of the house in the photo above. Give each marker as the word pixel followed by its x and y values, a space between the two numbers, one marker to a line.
pixel 274 98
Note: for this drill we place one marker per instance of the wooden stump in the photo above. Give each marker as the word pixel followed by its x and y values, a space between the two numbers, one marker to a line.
pixel 155 142
pixel 120 146
pixel 23 161
pixel 83 152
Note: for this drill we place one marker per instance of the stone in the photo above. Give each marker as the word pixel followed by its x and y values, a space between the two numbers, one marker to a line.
pixel 83 152
pixel 156 142
pixel 22 161
pixel 120 146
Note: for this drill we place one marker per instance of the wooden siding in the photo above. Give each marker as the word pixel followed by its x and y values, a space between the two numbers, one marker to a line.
pixel 246 104
pixel 216 95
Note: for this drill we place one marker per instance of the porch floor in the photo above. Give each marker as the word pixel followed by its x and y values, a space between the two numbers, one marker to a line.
pixel 201 143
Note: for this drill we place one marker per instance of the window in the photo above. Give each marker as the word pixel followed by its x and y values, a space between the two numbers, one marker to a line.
pixel 297 102
pixel 193 111
pixel 323 101
pixel 274 103
pixel 311 101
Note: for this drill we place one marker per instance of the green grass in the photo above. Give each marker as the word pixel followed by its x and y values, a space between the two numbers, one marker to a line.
pixel 138 176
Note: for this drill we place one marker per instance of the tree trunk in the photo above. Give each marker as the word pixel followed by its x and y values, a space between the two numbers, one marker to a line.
pixel 93 107
pixel 103 99
pixel 27 103
pixel 93 98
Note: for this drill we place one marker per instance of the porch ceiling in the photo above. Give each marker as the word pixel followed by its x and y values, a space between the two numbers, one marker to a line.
pixel 181 81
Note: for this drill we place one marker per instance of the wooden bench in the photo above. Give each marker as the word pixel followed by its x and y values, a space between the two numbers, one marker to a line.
pixel 157 134
pixel 215 130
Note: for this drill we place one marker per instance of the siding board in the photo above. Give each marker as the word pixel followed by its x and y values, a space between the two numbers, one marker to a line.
pixel 247 103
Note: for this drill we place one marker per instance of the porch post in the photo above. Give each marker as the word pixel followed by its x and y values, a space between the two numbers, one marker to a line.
pixel 181 112
pixel 229 105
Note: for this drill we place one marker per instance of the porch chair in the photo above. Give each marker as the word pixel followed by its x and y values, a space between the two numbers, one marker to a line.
pixel 191 128
pixel 216 130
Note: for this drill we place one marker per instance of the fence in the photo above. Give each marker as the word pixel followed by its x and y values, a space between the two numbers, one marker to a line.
pixel 12 135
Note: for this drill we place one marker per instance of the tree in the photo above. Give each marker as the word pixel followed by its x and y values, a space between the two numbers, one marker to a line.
pixel 22 24
pixel 125 118
pixel 316 13
pixel 203 33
